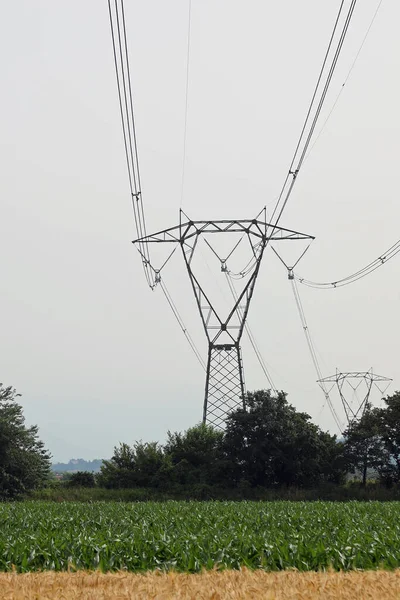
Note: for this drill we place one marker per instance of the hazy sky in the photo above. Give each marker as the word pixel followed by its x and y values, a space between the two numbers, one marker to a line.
pixel 97 356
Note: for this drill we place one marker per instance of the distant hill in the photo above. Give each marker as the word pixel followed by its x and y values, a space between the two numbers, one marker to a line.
pixel 77 464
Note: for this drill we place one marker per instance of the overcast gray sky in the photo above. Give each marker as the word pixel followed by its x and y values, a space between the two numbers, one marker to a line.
pixel 97 356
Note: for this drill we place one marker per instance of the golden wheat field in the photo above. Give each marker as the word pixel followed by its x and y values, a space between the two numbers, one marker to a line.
pixel 210 585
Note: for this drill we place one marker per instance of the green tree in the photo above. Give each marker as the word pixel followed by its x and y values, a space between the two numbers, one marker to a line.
pixel 141 465
pixel 365 446
pixel 389 425
pixel 119 471
pixel 332 459
pixel 81 479
pixel 271 444
pixel 196 455
pixel 24 462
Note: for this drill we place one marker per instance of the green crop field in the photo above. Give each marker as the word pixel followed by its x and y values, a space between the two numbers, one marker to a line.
pixel 190 536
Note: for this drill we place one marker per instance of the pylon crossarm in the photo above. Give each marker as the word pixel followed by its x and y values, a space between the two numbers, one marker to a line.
pixel 187 230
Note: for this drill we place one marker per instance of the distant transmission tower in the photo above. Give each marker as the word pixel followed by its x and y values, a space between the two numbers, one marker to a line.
pixel 225 387
pixel 353 382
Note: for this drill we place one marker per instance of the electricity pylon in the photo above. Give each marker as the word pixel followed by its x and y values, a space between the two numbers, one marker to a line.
pixel 355 408
pixel 224 387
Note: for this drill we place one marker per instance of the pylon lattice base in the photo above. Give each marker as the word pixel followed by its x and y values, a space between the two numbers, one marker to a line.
pixel 224 385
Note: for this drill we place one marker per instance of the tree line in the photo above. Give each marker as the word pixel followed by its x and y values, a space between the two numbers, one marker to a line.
pixel 24 462
pixel 269 445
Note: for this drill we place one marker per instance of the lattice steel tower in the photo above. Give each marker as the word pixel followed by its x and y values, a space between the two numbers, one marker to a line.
pixel 225 386
pixel 355 407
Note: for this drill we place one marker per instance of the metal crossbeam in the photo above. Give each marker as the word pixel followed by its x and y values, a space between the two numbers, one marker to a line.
pixel 187 230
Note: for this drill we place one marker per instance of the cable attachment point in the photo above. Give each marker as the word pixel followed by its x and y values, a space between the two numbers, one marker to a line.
pixel 157 278
pixel 224 267
pixel 290 273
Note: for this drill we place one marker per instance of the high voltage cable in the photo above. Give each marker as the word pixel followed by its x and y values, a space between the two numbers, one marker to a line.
pixel 182 324
pixel 367 270
pixel 122 72
pixel 313 353
pixel 308 337
pixel 313 112
pixel 346 80
pixel 252 339
pixel 186 100
pixel 294 169
pixel 174 308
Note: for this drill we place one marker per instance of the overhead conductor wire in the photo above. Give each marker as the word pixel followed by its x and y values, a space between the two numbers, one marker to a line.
pixel 122 71
pixel 186 100
pixel 162 284
pixel 346 79
pixel 314 354
pixel 309 340
pixel 312 116
pixel 293 173
pixel 390 252
pixel 182 324
pixel 313 113
pixel 367 270
pixel 317 101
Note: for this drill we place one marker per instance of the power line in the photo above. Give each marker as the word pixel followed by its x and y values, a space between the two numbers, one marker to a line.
pixel 139 185
pixel 346 79
pixel 307 334
pixel 312 116
pixel 122 71
pixel 317 100
pixel 367 270
pixel 186 100
pixel 182 324
pixel 313 353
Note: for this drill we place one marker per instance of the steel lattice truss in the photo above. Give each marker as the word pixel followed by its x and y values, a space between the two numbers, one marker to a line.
pixel 224 383
pixel 354 381
pixel 224 388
